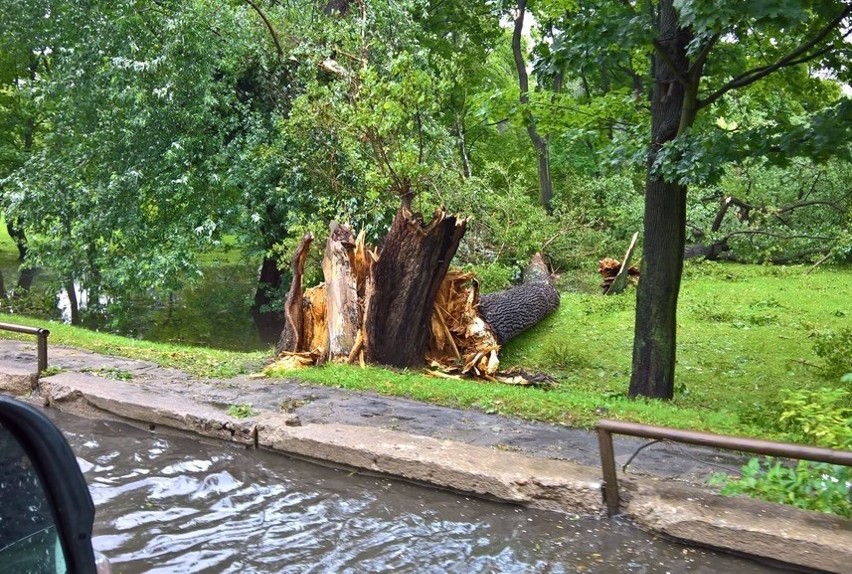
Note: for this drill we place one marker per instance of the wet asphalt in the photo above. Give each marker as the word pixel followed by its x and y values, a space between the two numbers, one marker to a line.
pixel 322 404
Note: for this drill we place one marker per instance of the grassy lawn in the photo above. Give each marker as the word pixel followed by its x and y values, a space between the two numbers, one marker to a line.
pixel 746 334
pixel 197 361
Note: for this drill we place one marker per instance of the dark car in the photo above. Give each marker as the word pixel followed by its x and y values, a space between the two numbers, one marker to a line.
pixel 46 511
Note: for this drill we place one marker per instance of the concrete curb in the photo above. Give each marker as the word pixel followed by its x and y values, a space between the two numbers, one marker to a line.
pixel 743 525
pixel 92 396
pixel 784 534
pixel 16 381
pixel 510 477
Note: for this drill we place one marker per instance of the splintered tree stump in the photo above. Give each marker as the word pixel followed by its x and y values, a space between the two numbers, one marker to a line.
pixel 619 282
pixel 404 307
pixel 343 313
pixel 291 336
pixel 510 312
pixel 402 286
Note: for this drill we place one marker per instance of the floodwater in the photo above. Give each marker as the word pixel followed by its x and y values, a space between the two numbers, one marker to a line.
pixel 172 504
pixel 214 312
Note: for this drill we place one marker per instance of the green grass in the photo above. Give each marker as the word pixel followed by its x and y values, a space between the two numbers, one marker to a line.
pixel 197 361
pixel 746 334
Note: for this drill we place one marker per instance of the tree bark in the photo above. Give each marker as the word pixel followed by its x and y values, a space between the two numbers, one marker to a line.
pixel 402 285
pixel 664 228
pixel 342 306
pixel 710 252
pixel 511 312
pixel 462 147
pixel 27 278
pixel 267 321
pixel 292 337
pixel 73 304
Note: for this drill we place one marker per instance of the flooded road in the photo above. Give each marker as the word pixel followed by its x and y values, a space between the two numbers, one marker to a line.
pixel 172 504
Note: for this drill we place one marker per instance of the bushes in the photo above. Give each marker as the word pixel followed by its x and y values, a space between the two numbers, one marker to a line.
pixel 808 485
pixel 506 228
pixel 601 215
pixel 821 417
pixel 592 218
pixel 835 348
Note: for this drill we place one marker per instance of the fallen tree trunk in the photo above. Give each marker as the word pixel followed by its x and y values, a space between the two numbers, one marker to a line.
pixel 404 307
pixel 508 313
pixel 712 252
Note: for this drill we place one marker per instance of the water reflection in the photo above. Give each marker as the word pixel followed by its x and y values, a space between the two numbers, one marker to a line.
pixel 172 504
pixel 214 312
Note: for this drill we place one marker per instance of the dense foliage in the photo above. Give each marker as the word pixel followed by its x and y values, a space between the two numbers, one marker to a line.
pixel 822 417
pixel 141 137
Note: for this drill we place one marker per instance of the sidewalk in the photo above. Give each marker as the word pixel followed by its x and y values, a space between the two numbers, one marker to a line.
pixel 535 464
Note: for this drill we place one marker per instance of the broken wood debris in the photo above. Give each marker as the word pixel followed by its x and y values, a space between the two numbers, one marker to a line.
pixel 370 305
pixel 616 273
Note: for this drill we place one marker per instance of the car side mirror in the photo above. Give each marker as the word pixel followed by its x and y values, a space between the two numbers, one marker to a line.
pixel 46 510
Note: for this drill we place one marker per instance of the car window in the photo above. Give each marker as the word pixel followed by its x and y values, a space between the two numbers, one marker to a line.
pixel 29 541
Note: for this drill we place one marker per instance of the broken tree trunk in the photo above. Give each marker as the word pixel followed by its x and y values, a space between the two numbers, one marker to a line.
pixel 402 286
pixel 405 307
pixel 292 334
pixel 343 313
pixel 510 312
pixel 619 284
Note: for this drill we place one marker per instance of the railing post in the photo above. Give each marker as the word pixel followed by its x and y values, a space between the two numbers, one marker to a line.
pixel 41 339
pixel 609 473
pixel 42 349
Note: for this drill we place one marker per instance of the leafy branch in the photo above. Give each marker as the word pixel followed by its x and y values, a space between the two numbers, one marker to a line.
pixel 797 56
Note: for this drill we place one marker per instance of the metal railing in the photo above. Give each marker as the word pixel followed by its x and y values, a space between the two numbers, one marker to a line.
pixel 607 428
pixel 41 335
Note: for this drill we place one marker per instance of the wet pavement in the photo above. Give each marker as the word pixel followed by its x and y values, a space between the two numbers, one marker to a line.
pixel 321 404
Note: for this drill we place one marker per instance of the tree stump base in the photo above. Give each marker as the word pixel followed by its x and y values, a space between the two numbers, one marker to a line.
pixel 405 307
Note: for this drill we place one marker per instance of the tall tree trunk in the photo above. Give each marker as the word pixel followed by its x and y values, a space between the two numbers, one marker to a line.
pixel 402 287
pixel 545 182
pixel 266 318
pixel 13 225
pixel 540 143
pixel 654 340
pixel 73 304
pixel 18 236
pixel 462 146
pixel 27 277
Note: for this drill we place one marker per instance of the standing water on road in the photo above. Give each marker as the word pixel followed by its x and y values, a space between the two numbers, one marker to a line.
pixel 169 503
